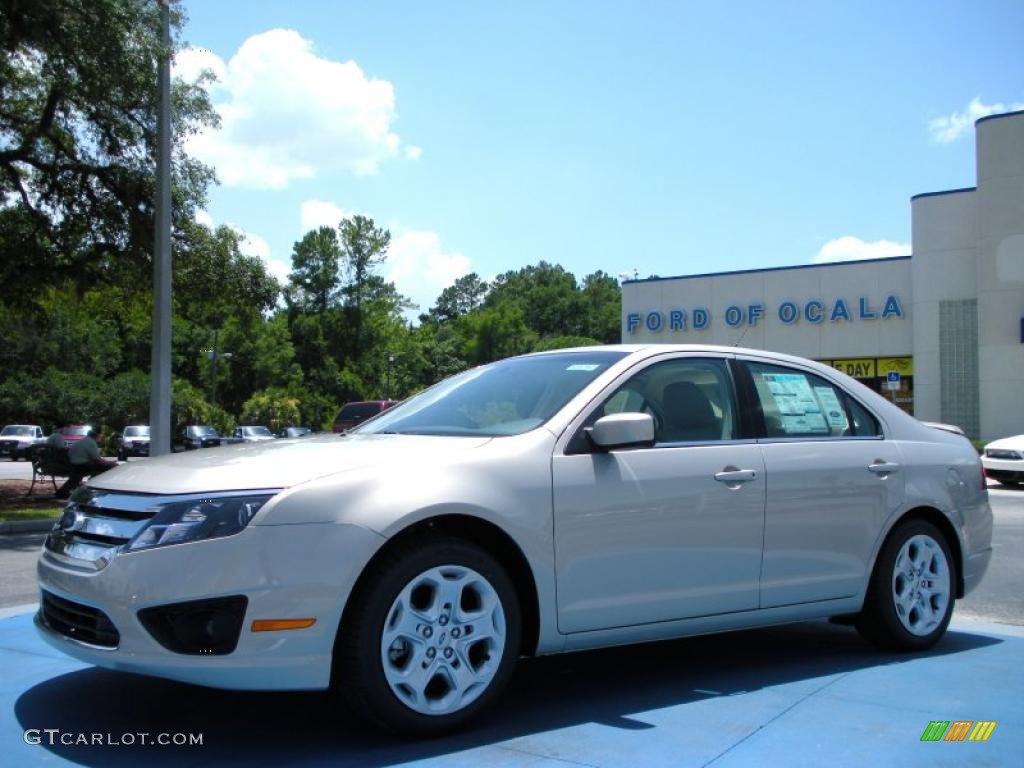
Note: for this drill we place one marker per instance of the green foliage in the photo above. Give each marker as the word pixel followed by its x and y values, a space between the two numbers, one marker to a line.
pixel 564 342
pixel 274 408
pixel 188 406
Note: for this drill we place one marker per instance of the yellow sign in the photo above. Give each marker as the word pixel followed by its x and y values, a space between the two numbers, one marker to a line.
pixel 904 366
pixel 858 369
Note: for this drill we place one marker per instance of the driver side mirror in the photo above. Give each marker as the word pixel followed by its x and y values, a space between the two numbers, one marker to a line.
pixel 622 430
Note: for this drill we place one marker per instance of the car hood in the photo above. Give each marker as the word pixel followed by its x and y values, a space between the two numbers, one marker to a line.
pixel 1015 443
pixel 278 463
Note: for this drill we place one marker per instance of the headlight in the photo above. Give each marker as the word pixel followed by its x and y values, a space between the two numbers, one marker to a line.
pixel 198 519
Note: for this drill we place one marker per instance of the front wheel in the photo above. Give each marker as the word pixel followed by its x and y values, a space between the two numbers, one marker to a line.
pixel 911 592
pixel 431 637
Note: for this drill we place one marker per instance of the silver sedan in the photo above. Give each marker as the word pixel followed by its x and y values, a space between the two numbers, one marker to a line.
pixel 542 504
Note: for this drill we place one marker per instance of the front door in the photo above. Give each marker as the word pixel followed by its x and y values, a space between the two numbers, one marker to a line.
pixel 667 532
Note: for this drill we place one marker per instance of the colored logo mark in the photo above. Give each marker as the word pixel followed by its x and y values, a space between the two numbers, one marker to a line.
pixel 958 730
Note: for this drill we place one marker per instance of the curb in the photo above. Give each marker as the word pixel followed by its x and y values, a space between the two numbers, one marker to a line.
pixel 27 526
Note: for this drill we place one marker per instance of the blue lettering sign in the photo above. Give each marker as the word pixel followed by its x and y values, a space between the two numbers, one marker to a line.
pixel 866 313
pixel 840 312
pixel 632 321
pixel 677 320
pixel 788 312
pixel 892 307
pixel 653 321
pixel 700 319
pixel 814 311
pixel 754 313
pixel 733 316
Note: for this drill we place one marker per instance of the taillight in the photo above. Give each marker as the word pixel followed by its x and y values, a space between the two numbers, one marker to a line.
pixel 984 478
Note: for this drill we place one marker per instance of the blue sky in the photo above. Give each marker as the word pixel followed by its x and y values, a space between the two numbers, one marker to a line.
pixel 666 137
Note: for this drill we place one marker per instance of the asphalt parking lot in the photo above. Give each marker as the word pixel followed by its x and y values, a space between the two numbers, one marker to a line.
pixel 810 693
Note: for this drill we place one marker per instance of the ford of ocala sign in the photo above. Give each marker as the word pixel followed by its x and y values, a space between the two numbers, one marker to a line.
pixel 814 312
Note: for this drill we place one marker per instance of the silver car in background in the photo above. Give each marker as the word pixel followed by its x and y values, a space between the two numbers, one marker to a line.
pixel 541 504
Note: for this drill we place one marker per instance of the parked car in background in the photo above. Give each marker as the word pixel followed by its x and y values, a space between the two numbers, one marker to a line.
pixel 547 503
pixel 18 440
pixel 133 441
pixel 1004 460
pixel 196 436
pixel 352 414
pixel 74 432
pixel 295 432
pixel 250 434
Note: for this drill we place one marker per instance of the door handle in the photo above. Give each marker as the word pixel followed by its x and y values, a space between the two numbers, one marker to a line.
pixel 883 468
pixel 734 477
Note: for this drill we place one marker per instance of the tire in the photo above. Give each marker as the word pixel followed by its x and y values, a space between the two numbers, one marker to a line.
pixel 914 563
pixel 405 658
pixel 122 456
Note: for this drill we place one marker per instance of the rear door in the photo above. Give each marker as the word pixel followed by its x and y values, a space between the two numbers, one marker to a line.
pixel 832 480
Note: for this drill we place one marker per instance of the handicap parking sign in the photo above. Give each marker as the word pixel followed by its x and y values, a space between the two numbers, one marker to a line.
pixel 892 380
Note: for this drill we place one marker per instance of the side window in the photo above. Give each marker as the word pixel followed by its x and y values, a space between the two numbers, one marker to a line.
pixel 800 404
pixel 864 424
pixel 689 399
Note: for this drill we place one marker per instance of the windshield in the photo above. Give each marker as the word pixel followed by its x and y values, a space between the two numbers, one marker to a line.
pixel 136 431
pixel 82 430
pixel 257 431
pixel 504 398
pixel 203 431
pixel 18 431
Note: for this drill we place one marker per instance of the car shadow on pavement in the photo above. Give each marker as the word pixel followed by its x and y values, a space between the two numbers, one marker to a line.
pixel 612 687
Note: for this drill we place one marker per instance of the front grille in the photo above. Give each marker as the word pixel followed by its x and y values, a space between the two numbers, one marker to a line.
pixel 999 453
pixel 96 524
pixel 7 445
pixel 78 622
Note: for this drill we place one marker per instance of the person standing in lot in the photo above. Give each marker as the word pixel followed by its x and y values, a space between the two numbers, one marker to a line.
pixel 86 461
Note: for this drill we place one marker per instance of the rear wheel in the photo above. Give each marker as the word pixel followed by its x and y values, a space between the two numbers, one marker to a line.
pixel 430 639
pixel 911 593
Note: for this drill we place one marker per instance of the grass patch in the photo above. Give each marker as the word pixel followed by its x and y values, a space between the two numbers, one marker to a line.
pixel 30 513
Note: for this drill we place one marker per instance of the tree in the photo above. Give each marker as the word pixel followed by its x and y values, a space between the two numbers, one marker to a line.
pixel 546 294
pixel 460 298
pixel 316 271
pixel 77 138
pixel 364 246
pixel 602 301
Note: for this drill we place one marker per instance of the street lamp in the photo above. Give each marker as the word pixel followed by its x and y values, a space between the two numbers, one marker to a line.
pixel 212 355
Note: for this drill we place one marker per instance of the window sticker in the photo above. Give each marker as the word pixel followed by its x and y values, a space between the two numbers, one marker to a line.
pixel 835 414
pixel 796 403
pixel 582 367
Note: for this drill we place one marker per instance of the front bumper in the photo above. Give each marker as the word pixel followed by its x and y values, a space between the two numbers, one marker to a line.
pixel 1003 469
pixel 285 571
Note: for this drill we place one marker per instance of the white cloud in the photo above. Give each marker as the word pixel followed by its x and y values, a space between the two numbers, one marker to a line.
pixel 412 152
pixel 420 267
pixel 287 113
pixel 850 248
pixel 204 218
pixel 321 213
pixel 189 63
pixel 951 127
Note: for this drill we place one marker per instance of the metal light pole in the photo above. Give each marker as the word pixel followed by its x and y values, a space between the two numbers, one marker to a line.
pixel 212 355
pixel 160 367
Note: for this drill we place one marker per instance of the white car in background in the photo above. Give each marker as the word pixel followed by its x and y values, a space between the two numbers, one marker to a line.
pixel 547 503
pixel 18 440
pixel 1004 460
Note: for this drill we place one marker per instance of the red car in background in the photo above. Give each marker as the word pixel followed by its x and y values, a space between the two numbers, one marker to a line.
pixel 356 413
pixel 72 433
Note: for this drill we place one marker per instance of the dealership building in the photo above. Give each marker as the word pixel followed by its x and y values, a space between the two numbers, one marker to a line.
pixel 939 331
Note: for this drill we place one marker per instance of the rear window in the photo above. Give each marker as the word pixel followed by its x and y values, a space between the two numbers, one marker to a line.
pixel 75 430
pixel 358 411
pixel 136 431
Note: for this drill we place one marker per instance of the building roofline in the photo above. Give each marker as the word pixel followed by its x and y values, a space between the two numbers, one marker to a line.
pixel 945 191
pixel 1001 114
pixel 767 269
